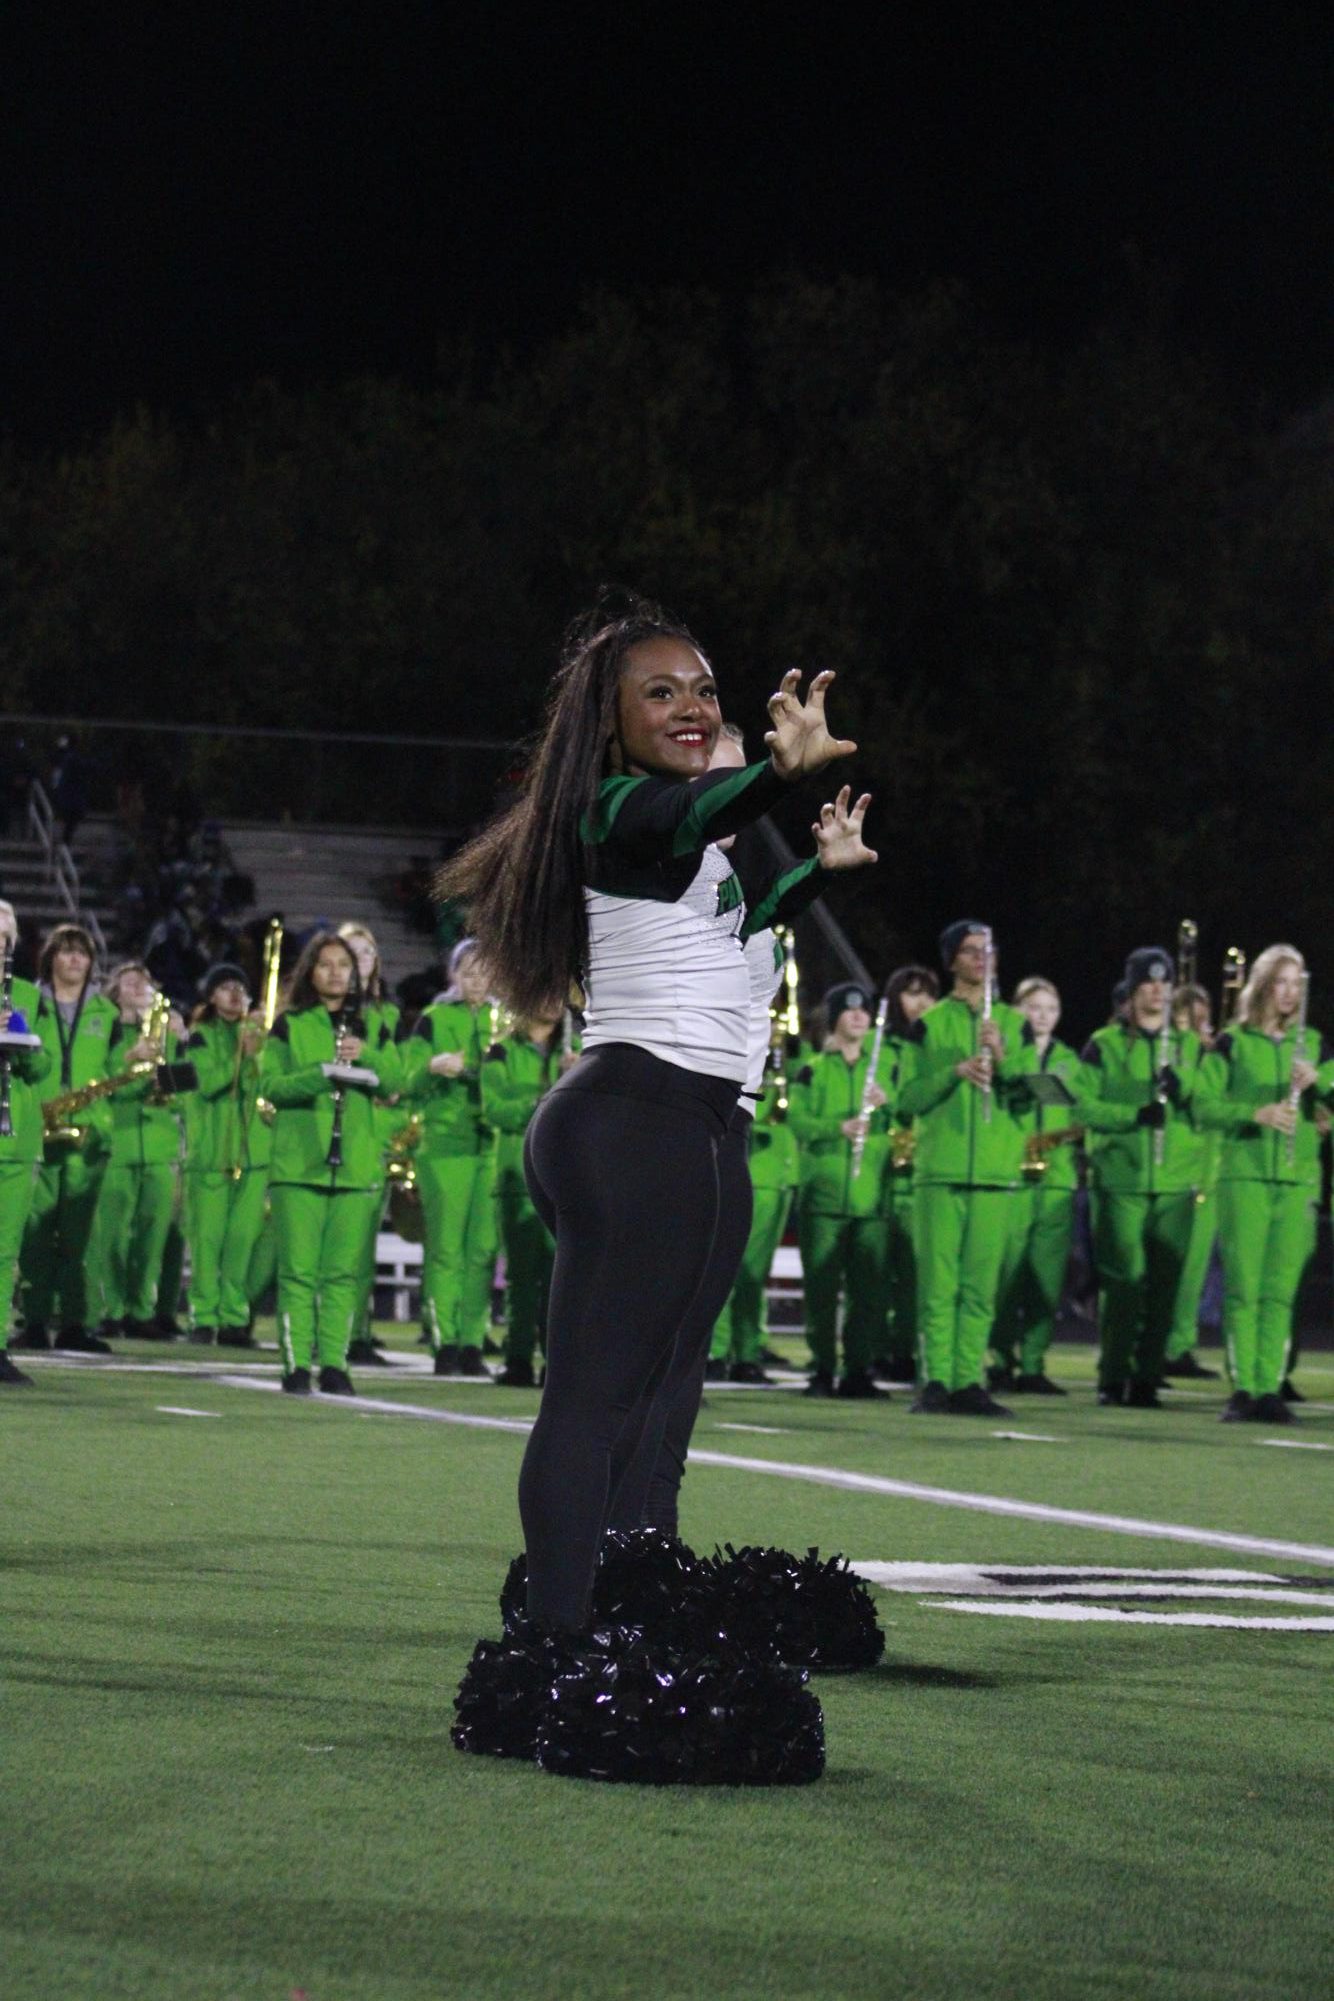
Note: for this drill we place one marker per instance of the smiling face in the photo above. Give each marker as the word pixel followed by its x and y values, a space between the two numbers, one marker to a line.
pixel 666 711
pixel 135 992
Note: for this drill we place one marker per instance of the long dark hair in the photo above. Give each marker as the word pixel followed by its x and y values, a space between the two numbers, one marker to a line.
pixel 908 979
pixel 521 879
pixel 300 991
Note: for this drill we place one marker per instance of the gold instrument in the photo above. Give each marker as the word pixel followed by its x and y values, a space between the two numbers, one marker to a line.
pixel 154 1028
pixel 268 998
pixel 400 1165
pixel 902 1148
pixel 57 1112
pixel 1038 1145
pixel 1188 940
pixel 784 1020
pixel 1234 979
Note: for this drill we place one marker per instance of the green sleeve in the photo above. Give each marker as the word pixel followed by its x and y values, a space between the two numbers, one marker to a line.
pixel 215 1066
pixel 785 896
pixel 808 1122
pixel 1094 1111
pixel 31 1065
pixel 507 1104
pixel 659 819
pixel 284 1083
pixel 924 1084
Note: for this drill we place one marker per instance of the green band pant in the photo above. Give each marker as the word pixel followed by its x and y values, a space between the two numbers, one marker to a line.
pixel 1267 1231
pixel 224 1217
pixel 18 1182
pixel 740 1331
pixel 1185 1331
pixel 321 1239
pixel 1034 1279
pixel 962 1235
pixel 134 1216
pixel 530 1253
pixel 459 1254
pixel 58 1262
pixel 1140 1245
pixel 843 1256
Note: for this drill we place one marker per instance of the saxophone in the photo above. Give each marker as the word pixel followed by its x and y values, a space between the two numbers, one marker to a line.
pixel 58 1112
pixel 1038 1145
pixel 902 1149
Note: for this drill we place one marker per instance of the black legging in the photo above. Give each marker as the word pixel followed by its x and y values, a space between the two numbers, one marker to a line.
pixel 621 1160
pixel 649 1463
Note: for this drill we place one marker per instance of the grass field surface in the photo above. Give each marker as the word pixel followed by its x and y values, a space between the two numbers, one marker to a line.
pixel 233 1625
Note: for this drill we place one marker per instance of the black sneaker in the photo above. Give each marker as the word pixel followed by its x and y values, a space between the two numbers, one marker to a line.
pixel 976 1402
pixel 932 1400
pixel 471 1363
pixel 715 1370
pixel 769 1358
pixel 491 1346
pixel 447 1361
pixel 33 1340
pixel 1000 1376
pixel 821 1383
pixel 857 1383
pixel 1143 1395
pixel 1237 1409
pixel 364 1351
pixel 145 1330
pixel 1290 1392
pixel 1271 1409
pixel 297 1384
pixel 10 1373
pixel 517 1376
pixel 202 1337
pixel 1038 1386
pixel 78 1341
pixel 747 1372
pixel 1111 1393
pixel 899 1369
pixel 1187 1366
pixel 236 1337
pixel 336 1383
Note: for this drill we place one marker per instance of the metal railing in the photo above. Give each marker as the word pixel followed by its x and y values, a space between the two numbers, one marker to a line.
pixel 61 869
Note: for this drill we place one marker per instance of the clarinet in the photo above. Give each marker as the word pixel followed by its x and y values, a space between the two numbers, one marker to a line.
pixel 355 1026
pixel 1164 1062
pixel 1299 1049
pixel 988 1003
pixel 864 1115
pixel 6 1008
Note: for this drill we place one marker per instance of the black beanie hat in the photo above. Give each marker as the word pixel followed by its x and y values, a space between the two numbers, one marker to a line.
pixel 848 993
pixel 215 976
pixel 953 936
pixel 1148 962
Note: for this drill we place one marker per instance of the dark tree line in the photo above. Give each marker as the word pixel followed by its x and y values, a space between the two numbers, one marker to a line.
pixel 1081 599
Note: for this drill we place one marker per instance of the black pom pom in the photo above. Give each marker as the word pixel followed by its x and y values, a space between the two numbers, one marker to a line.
pixel 508 1683
pixel 514 1594
pixel 810 1611
pixel 653 1715
pixel 644 1578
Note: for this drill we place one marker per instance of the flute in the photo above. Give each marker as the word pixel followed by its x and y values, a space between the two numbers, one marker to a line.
pixel 6 1008
pixel 864 1115
pixel 1299 1050
pixel 1164 1063
pixel 988 1001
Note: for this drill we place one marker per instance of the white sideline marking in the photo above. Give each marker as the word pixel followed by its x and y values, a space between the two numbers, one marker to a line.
pixel 993 1580
pixel 1030 1437
pixel 870 1483
pixel 1298 1444
pixel 184 1410
pixel 769 1430
pixel 1108 1615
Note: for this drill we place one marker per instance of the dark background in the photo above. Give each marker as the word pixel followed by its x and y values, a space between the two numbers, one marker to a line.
pixel 982 353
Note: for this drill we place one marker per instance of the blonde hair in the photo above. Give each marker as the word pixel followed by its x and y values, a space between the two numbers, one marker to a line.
pixel 372 987
pixel 1254 998
pixel 1036 983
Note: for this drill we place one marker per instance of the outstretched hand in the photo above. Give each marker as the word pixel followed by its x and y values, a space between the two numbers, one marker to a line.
pixel 799 742
pixel 838 832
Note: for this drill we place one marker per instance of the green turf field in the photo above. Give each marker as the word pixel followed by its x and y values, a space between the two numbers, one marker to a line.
pixel 230 1643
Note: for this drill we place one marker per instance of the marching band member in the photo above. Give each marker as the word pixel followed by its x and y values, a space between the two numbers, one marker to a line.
pixel 843 1205
pixel 321 1068
pixel 1270 1073
pixel 379 1012
pixel 456 1164
pixel 228 1147
pixel 1192 1008
pixel 911 991
pixel 1146 1163
pixel 138 1196
pixel 22 1069
pixel 518 1072
pixel 960 1063
pixel 58 1260
pixel 1044 1211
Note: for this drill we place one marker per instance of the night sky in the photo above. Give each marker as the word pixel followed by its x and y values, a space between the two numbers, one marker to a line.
pixel 197 196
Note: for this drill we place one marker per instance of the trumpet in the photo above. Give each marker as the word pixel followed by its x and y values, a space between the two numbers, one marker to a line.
pixel 1188 939
pixel 268 999
pixel 1234 979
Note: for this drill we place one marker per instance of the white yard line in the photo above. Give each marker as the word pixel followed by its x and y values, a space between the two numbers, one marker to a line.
pixel 1030 1437
pixel 768 1430
pixel 1298 1444
pixel 184 1410
pixel 1109 1616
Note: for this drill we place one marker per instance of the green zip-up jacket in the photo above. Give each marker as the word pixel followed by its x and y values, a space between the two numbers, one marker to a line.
pixel 27 1069
pixel 79 1055
pixel 223 1130
pixel 516 1076
pixel 775 1160
pixel 956 1141
pixel 387 1014
pixel 1119 1077
pixel 143 1134
pixel 1246 1069
pixel 454 1127
pixel 827 1091
pixel 1057 1060
pixel 291 1078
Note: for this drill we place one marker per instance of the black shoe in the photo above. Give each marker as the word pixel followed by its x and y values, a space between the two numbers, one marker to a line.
pixel 168 1327
pixel 1038 1386
pixel 517 1376
pixel 297 1384
pixel 769 1358
pixel 1271 1409
pixel 336 1383
pixel 1000 1377
pixel 1290 1392
pixel 1238 1408
pixel 78 1341
pixel 1187 1366
pixel 715 1370
pixel 11 1374
pixel 821 1384
pixel 1143 1395
pixel 898 1370
pixel 236 1337
pixel 491 1347
pixel 367 1354
pixel 447 1361
pixel 932 1400
pixel 33 1340
pixel 976 1402
pixel 202 1337
pixel 144 1330
pixel 1112 1393
pixel 747 1372
pixel 471 1363
pixel 857 1383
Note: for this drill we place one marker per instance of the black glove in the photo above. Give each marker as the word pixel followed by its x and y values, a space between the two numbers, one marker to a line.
pixel 1153 1114
pixel 1170 1084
